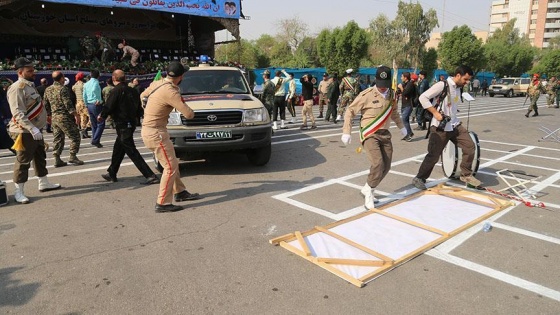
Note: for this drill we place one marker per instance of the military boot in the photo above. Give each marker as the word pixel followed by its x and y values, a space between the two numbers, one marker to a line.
pixel 19 195
pixel 45 185
pixel 58 162
pixel 74 160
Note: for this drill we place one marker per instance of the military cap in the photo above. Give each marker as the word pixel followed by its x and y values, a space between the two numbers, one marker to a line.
pixel 79 76
pixel 383 77
pixel 349 70
pixel 22 62
pixel 325 74
pixel 175 69
pixel 266 72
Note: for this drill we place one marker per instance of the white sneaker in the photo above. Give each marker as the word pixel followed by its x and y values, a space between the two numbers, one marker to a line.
pixel 282 124
pixel 44 184
pixel 367 189
pixel 338 117
pixel 275 126
pixel 18 194
pixel 293 121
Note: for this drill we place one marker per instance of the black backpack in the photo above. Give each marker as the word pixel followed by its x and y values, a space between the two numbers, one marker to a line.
pixel 439 99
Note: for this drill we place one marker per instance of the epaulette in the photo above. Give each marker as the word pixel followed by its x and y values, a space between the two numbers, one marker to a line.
pixel 21 85
pixel 366 91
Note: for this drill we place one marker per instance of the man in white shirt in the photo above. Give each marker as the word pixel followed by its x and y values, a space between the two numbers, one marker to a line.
pixel 445 126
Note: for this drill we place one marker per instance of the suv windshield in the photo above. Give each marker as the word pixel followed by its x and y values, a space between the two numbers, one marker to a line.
pixel 213 82
pixel 506 81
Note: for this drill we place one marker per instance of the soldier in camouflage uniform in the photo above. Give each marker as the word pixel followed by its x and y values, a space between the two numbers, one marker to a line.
pixel 534 91
pixel 81 108
pixel 348 90
pixel 268 92
pixel 107 51
pixel 65 120
pixel 105 94
pixel 88 47
pixel 551 91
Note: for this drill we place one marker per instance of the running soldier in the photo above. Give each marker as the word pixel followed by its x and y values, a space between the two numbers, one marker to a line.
pixel 65 120
pixel 534 92
pixel 107 51
pixel 268 92
pixel 551 91
pixel 323 89
pixel 348 90
pixel 81 108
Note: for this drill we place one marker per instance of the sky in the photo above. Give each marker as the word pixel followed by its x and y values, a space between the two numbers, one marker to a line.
pixel 264 14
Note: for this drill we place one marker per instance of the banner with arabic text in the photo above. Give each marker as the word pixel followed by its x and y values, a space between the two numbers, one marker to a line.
pixel 212 8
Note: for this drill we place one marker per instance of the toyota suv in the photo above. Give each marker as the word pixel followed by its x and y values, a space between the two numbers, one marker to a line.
pixel 227 117
pixel 510 87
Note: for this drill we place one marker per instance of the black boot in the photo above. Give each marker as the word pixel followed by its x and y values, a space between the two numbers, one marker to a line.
pixel 535 114
pixel 527 115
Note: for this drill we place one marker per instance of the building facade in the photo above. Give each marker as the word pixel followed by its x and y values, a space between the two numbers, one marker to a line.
pixel 539 19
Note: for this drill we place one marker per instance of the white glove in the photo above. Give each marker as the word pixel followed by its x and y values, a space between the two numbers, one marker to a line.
pixel 36 133
pixel 346 139
pixel 404 132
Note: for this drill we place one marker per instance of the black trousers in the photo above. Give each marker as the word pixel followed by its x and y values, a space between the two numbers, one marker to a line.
pixel 279 105
pixel 124 144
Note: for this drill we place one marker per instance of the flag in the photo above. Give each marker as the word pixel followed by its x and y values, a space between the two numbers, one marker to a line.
pixel 158 76
pixel 395 72
pixel 18 144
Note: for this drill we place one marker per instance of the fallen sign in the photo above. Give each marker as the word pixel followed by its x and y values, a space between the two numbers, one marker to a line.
pixel 362 247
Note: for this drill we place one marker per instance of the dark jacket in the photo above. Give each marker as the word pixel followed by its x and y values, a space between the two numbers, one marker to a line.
pixel 306 89
pixel 123 104
pixel 334 91
pixel 408 94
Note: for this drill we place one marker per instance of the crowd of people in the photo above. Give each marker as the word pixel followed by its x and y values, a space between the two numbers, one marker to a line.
pixel 68 110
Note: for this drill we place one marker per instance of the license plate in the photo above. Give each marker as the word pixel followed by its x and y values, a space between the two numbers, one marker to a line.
pixel 216 134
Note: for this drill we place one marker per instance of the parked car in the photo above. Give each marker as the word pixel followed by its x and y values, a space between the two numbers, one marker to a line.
pixel 227 117
pixel 510 87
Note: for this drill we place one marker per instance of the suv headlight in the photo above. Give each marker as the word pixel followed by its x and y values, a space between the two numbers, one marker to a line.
pixel 255 115
pixel 174 119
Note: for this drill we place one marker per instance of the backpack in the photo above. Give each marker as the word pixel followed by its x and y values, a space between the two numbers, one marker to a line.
pixel 439 99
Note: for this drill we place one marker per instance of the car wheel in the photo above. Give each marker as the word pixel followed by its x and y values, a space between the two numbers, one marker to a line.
pixel 259 156
pixel 509 93
pixel 491 94
pixel 158 166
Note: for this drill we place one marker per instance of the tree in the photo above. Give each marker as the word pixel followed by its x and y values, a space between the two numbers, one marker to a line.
pixel 508 53
pixel 387 42
pixel 306 54
pixel 415 27
pixel 429 61
pixel 342 48
pixel 292 31
pixel 549 63
pixel 242 52
pixel 460 47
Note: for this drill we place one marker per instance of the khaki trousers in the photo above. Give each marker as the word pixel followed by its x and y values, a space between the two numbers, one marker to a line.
pixel 379 151
pixel 308 109
pixel 159 142
pixel 34 151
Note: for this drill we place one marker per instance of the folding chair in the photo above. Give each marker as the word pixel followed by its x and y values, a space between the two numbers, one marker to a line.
pixel 551 135
pixel 517 182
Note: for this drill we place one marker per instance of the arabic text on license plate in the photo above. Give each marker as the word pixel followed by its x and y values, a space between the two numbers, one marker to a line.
pixel 218 134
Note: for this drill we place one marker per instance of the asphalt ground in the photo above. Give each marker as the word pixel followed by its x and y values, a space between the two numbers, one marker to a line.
pixel 96 247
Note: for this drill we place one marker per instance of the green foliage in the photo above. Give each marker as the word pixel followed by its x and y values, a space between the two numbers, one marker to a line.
pixel 387 42
pixel 461 47
pixel 416 27
pixel 508 53
pixel 429 61
pixel 242 52
pixel 549 63
pixel 342 48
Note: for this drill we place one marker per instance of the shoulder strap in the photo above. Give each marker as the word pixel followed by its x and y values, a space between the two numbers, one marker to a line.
pixel 442 95
pixel 278 85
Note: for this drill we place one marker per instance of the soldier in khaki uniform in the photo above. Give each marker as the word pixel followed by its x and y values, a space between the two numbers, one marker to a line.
pixel 65 120
pixel 81 108
pixel 29 116
pixel 164 96
pixel 323 89
pixel 128 50
pixel 376 105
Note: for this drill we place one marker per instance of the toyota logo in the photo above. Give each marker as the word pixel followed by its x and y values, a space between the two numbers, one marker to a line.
pixel 212 117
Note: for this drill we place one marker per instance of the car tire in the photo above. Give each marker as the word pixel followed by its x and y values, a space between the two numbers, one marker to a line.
pixel 158 166
pixel 491 94
pixel 509 93
pixel 259 156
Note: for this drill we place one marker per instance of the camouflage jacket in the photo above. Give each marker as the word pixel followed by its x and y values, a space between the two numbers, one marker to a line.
pixel 105 92
pixel 57 100
pixel 551 87
pixel 535 88
pixel 268 93
pixel 78 89
pixel 104 42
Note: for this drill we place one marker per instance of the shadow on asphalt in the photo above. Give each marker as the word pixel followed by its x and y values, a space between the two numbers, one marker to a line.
pixel 12 291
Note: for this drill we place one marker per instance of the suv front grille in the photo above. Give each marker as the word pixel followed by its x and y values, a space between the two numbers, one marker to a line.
pixel 214 118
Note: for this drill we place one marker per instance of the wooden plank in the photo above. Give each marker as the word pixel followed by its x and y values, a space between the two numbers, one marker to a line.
pixel 303 243
pixel 467 199
pixel 413 223
pixel 283 238
pixel 352 262
pixel 354 244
